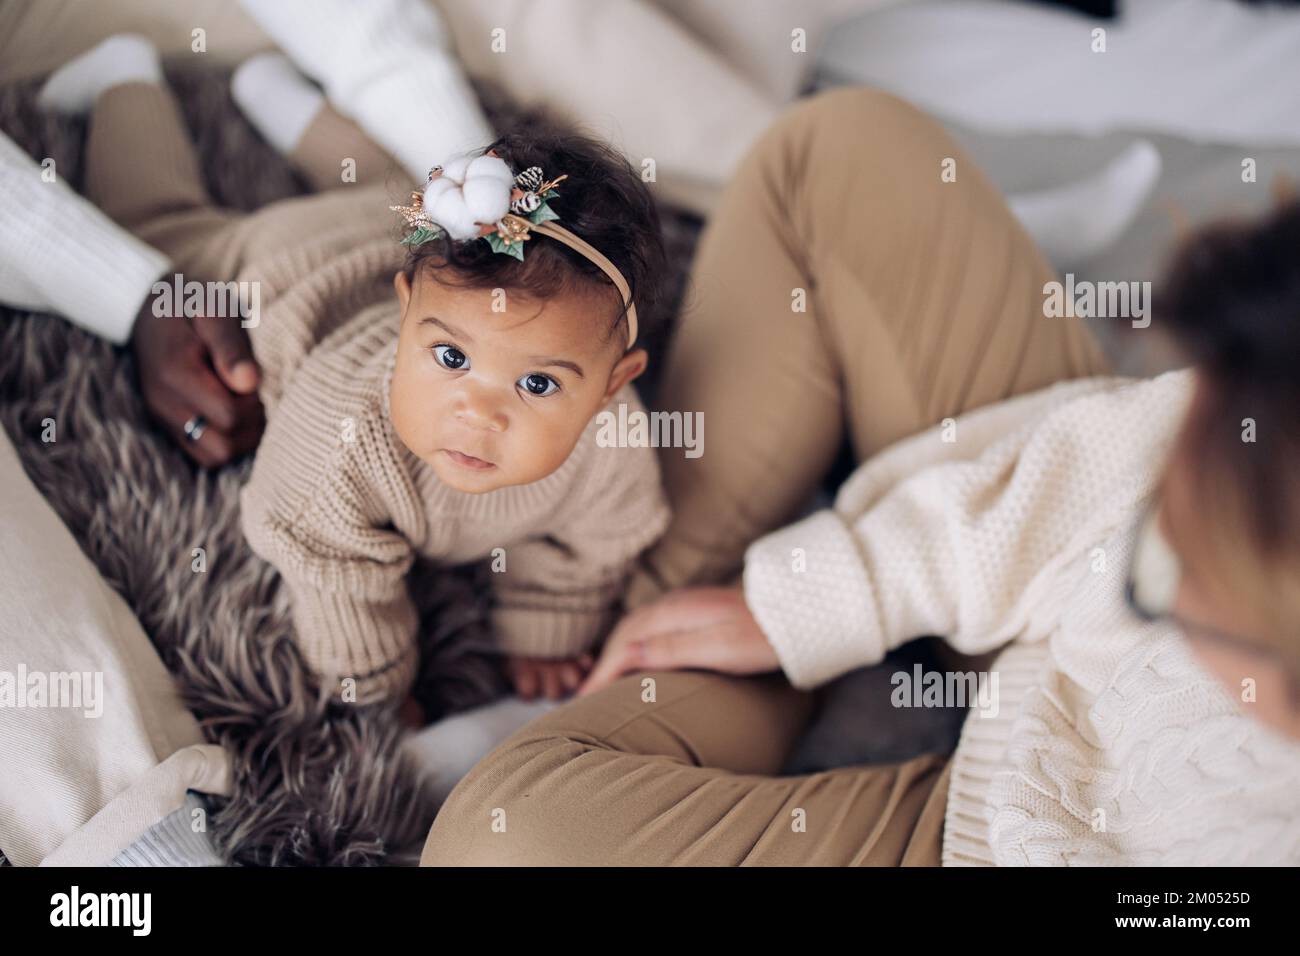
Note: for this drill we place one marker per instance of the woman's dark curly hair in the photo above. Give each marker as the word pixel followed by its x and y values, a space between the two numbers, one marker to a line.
pixel 603 201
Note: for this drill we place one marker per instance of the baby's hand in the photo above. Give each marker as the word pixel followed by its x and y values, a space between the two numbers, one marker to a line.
pixel 551 678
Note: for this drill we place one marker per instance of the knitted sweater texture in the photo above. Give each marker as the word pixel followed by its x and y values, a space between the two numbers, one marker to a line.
pixel 1103 740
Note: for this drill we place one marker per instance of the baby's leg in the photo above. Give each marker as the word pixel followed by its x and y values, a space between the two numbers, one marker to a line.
pixel 335 152
pixel 142 170
pixel 327 148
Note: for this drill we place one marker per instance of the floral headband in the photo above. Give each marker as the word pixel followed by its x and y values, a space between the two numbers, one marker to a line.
pixel 479 197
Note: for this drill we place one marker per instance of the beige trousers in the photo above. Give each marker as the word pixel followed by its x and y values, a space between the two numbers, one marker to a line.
pixel 843 288
pixel 687 778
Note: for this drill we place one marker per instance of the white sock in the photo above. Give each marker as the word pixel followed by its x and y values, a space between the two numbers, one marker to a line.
pixel 278 100
pixel 124 58
pixel 446 751
pixel 1074 222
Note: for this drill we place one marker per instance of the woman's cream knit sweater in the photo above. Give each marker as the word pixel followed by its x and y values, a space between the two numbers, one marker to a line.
pixel 1110 744
pixel 341 507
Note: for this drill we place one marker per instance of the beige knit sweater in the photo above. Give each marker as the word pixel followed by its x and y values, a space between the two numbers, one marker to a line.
pixel 1109 743
pixel 341 507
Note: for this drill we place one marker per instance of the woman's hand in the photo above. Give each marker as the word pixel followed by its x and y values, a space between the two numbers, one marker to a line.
pixel 200 366
pixel 705 628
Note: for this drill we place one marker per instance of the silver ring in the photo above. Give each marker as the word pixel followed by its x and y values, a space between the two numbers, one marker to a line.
pixel 194 427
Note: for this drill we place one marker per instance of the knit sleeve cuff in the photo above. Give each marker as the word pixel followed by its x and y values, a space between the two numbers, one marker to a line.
pixel 134 269
pixel 548 633
pixel 808 589
pixel 99 282
pixel 366 640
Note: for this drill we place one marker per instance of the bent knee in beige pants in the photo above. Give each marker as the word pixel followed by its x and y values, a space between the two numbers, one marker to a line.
pixel 677 768
pixel 843 291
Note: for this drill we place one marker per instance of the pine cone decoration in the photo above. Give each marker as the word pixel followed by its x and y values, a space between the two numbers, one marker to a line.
pixel 525 204
pixel 529 179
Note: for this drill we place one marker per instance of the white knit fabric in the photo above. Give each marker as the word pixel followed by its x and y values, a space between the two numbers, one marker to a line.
pixel 388 65
pixel 1110 743
pixel 58 253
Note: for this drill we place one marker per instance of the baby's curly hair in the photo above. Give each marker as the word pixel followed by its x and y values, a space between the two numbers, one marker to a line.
pixel 603 201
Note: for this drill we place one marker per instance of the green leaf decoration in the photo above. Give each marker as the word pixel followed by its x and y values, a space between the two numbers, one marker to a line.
pixel 498 244
pixel 542 213
pixel 550 194
pixel 421 234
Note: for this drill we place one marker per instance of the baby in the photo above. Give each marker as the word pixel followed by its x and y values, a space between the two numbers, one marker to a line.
pixel 459 422
pixel 461 425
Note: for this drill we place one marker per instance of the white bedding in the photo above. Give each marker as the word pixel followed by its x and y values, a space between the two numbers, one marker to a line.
pixel 1209 70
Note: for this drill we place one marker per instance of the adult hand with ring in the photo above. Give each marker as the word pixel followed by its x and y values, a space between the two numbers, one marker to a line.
pixel 199 381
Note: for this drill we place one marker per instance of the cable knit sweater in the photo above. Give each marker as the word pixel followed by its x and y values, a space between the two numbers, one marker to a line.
pixel 1110 743
pixel 341 507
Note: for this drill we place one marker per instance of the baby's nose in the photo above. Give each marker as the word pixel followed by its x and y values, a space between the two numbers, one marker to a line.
pixel 480 415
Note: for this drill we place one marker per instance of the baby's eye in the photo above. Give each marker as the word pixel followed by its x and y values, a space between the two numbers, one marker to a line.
pixel 535 383
pixel 449 356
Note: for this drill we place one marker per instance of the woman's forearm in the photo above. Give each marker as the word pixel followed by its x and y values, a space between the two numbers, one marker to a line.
pixel 58 253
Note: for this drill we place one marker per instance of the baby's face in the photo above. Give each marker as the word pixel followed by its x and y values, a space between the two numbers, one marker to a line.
pixel 495 398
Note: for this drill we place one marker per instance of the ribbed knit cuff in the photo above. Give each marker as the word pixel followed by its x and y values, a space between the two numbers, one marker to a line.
pixel 173 841
pixel 555 634
pixel 135 267
pixel 809 592
pixel 372 642
pixel 392 682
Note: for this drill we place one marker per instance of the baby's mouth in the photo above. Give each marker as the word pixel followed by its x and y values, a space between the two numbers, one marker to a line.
pixel 467 461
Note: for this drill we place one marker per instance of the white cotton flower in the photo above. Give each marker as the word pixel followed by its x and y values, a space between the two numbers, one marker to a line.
pixel 450 212
pixel 471 192
pixel 490 167
pixel 454 168
pixel 486 199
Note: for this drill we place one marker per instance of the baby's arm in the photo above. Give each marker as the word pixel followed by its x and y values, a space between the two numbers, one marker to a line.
pixel 311 509
pixel 352 614
pixel 556 594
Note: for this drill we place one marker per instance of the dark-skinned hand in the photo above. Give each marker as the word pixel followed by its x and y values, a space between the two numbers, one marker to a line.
pixel 200 366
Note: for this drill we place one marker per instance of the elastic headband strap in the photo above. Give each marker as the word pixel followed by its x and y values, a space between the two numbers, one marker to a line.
pixel 580 245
